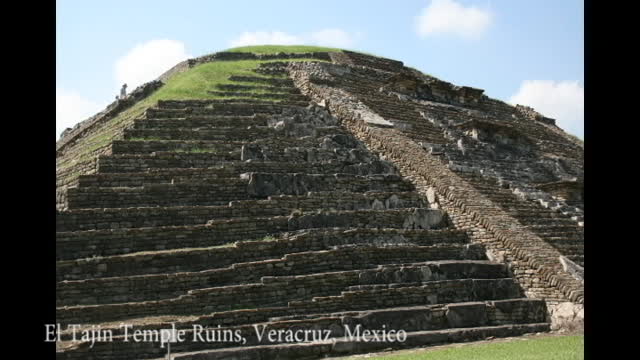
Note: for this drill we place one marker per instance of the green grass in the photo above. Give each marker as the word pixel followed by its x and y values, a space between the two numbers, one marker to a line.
pixel 290 49
pixel 194 83
pixel 191 84
pixel 528 348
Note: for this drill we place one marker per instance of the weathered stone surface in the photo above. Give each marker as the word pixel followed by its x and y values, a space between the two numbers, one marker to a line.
pixel 466 315
pixel 572 268
pixel 567 315
pixel 425 219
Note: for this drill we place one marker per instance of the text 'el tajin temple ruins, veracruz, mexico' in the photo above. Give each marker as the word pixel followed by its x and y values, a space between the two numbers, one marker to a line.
pixel 314 190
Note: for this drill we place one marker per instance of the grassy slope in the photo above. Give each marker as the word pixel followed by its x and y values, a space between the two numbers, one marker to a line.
pixel 191 84
pixel 544 348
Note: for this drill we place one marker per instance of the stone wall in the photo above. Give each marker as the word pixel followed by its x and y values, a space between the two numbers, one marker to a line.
pixel 73 245
pixel 324 264
pixel 270 294
pixel 247 251
pixel 280 205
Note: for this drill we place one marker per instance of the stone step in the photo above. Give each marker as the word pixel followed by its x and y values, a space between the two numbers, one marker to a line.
pixel 137 163
pixel 205 159
pixel 270 71
pixel 168 175
pixel 282 82
pixel 201 122
pixel 86 244
pixel 374 62
pixel 534 213
pixel 189 192
pixel 262 184
pixel 223 107
pixel 334 140
pixel 559 223
pixel 570 250
pixel 350 267
pixel 217 133
pixel 121 147
pixel 249 134
pixel 519 205
pixel 211 103
pixel 433 318
pixel 227 109
pixel 561 227
pixel 164 160
pixel 568 237
pixel 281 205
pixel 179 194
pixel 111 174
pixel 253 296
pixel 576 248
pixel 447 291
pixel 499 312
pixel 200 259
pixel 258 88
pixel 260 95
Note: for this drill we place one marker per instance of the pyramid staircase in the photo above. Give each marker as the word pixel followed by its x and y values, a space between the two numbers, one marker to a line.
pixel 499 179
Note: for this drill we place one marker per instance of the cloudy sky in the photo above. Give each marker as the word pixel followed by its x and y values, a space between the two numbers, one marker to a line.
pixel 527 52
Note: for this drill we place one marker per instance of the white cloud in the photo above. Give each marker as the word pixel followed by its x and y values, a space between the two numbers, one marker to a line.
pixel 144 62
pixel 147 61
pixel 450 17
pixel 72 108
pixel 562 100
pixel 325 37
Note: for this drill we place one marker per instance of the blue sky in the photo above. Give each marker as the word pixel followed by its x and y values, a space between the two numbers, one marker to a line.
pixel 529 52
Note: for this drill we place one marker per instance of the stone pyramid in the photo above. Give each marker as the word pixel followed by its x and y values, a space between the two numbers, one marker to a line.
pixel 313 193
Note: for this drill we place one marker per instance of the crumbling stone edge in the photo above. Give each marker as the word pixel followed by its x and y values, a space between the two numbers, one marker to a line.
pixel 69 136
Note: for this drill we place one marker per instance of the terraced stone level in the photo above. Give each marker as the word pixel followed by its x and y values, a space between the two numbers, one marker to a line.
pixel 260 208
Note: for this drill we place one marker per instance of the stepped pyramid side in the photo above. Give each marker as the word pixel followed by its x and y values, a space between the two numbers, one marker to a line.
pixel 335 191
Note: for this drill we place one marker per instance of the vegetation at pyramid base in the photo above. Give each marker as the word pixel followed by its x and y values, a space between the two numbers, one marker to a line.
pixel 544 348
